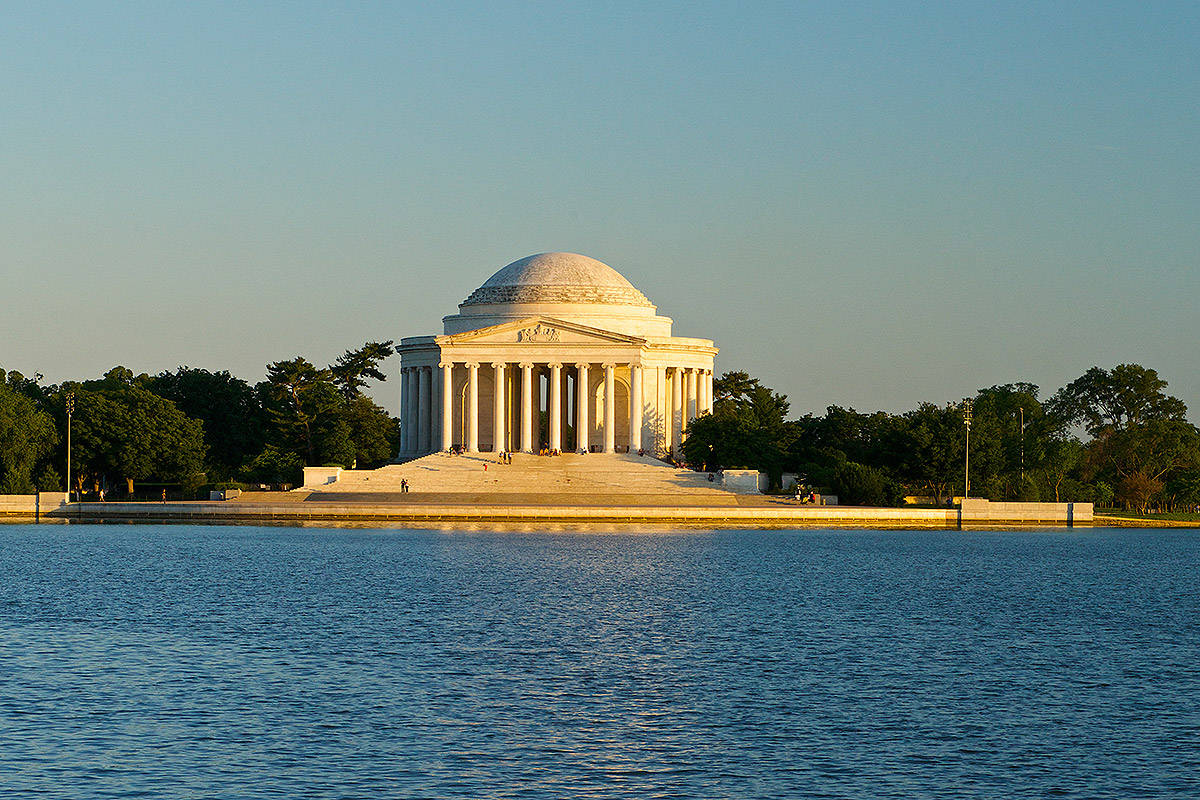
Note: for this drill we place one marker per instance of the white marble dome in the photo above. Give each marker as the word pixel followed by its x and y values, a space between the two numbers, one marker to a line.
pixel 565 286
pixel 558 278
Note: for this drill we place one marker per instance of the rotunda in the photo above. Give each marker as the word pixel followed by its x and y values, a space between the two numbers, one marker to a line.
pixel 554 351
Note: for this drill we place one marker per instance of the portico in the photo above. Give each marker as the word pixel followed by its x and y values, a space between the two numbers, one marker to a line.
pixel 555 351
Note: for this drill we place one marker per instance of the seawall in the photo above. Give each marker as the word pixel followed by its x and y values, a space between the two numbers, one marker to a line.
pixel 235 512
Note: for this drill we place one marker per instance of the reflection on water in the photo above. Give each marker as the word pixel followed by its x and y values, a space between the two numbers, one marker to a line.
pixel 196 661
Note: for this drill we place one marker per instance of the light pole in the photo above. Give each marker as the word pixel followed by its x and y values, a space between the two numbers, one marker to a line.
pixel 967 408
pixel 70 410
pixel 1021 409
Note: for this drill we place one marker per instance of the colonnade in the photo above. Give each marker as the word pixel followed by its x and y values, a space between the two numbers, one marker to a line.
pixel 427 405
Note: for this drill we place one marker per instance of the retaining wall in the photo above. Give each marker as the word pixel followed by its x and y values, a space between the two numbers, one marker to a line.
pixel 30 505
pixel 1056 513
pixel 977 513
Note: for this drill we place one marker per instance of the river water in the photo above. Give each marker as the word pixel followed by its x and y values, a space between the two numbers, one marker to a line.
pixel 237 662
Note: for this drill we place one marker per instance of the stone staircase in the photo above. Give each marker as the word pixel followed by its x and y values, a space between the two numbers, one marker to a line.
pixel 594 474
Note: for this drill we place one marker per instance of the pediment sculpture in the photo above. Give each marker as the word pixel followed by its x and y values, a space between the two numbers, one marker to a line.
pixel 538 333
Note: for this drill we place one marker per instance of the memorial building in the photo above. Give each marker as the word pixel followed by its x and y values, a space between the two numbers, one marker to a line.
pixel 555 351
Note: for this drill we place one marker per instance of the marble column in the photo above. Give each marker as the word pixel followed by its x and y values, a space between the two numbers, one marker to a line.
pixel 581 408
pixel 435 408
pixel 708 391
pixel 693 397
pixel 424 407
pixel 411 388
pixel 527 408
pixel 635 408
pixel 404 409
pixel 556 406
pixel 498 411
pixel 662 405
pixel 447 405
pixel 676 408
pixel 473 408
pixel 610 403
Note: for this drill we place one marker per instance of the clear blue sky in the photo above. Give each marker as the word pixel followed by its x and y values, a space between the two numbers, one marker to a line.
pixel 868 204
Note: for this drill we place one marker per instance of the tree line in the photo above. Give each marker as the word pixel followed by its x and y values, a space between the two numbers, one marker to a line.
pixel 1109 437
pixel 1112 437
pixel 192 427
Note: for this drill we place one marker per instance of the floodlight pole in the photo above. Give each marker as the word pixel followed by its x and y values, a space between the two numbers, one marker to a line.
pixel 967 407
pixel 1022 410
pixel 70 410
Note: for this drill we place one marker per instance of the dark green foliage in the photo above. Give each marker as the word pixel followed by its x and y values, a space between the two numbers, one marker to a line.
pixel 27 436
pixel 1106 401
pixel 351 368
pixel 1182 492
pixel 1142 457
pixel 301 402
pixel 1021 448
pixel 229 409
pixel 859 485
pixel 177 427
pixel 374 433
pixel 321 414
pixel 273 467
pixel 929 444
pixel 124 432
pixel 745 431
pixel 1140 435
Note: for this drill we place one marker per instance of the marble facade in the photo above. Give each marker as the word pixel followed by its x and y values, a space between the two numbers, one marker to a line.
pixel 556 351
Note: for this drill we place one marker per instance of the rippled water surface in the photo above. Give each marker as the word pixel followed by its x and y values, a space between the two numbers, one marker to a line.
pixel 191 661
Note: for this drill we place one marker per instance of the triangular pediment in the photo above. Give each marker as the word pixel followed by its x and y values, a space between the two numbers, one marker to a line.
pixel 539 330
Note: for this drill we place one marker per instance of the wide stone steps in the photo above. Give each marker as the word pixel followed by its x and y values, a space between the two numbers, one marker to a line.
pixel 595 473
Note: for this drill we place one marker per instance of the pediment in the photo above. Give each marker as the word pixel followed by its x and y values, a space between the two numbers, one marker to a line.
pixel 539 330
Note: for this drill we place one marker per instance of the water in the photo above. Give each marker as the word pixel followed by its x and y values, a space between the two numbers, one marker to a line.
pixel 224 662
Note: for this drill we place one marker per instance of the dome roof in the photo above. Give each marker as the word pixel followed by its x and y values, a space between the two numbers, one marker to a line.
pixel 558 278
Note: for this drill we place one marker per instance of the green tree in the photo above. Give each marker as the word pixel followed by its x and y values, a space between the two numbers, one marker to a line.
pixel 1010 439
pixel 1143 457
pixel 1140 435
pixel 374 433
pixel 229 409
pixel 1106 401
pixel 274 466
pixel 1064 457
pixel 860 485
pixel 322 414
pixel 27 436
pixel 747 429
pixel 1183 491
pixel 733 387
pixel 351 369
pixel 931 442
pixel 299 399
pixel 123 431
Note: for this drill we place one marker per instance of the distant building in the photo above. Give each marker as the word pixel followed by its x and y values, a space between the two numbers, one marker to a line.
pixel 560 337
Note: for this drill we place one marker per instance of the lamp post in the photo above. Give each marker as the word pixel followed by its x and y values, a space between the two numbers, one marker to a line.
pixel 967 408
pixel 70 410
pixel 1021 409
